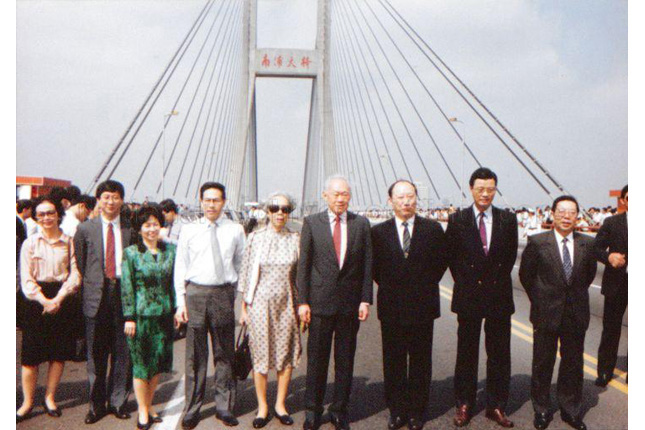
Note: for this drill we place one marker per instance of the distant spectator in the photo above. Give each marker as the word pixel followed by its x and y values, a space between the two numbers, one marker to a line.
pixel 170 233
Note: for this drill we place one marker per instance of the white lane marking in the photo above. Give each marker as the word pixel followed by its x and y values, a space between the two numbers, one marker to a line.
pixel 593 285
pixel 170 421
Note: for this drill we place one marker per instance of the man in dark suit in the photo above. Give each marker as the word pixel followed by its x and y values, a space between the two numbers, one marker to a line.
pixel 409 261
pixel 335 290
pixel 99 245
pixel 483 246
pixel 611 249
pixel 556 270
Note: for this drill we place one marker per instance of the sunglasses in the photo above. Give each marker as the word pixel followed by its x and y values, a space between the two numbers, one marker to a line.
pixel 45 213
pixel 275 209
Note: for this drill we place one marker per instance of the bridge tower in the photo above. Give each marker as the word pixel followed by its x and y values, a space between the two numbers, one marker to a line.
pixel 285 63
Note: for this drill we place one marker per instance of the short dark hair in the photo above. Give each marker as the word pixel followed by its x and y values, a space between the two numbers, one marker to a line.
pixel 168 205
pixel 58 193
pixel 389 190
pixel 73 194
pixel 209 185
pixel 623 192
pixel 563 199
pixel 88 201
pixel 142 215
pixel 23 204
pixel 110 186
pixel 60 210
pixel 482 173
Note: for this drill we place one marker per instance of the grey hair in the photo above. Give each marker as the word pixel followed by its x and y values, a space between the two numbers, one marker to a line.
pixel 335 177
pixel 275 194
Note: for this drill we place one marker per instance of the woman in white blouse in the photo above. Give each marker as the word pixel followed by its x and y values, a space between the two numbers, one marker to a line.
pixel 48 277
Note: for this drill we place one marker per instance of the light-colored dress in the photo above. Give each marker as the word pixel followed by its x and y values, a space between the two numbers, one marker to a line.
pixel 273 327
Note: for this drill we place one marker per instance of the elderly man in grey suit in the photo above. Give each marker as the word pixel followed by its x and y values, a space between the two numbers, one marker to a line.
pixel 99 245
pixel 335 290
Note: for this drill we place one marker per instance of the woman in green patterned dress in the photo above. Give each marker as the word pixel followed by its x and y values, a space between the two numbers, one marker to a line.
pixel 147 296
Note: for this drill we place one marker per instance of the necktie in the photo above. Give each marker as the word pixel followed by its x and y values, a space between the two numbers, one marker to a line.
pixel 406 239
pixel 110 254
pixel 337 238
pixel 566 260
pixel 217 256
pixel 482 232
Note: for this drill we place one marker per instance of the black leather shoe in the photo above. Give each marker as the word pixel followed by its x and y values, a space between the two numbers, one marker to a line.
pixel 119 413
pixel 311 422
pixel 541 421
pixel 190 423
pixel 56 413
pixel 415 424
pixel 603 379
pixel 339 421
pixel 285 420
pixel 145 426
pixel 260 422
pixel 574 422
pixel 395 422
pixel 227 418
pixel 21 418
pixel 93 417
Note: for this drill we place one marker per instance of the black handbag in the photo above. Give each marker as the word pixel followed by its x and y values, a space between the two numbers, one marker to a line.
pixel 242 363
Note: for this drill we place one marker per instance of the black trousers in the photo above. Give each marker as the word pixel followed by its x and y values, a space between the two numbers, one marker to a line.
pixel 570 374
pixel 106 340
pixel 498 363
pixel 342 329
pixel 612 320
pixel 407 383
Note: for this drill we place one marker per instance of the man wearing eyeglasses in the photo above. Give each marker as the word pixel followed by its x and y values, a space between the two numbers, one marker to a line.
pixel 556 271
pixel 482 242
pixel 209 256
pixel 611 250
pixel 335 291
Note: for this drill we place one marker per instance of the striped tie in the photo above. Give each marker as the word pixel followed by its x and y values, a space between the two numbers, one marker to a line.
pixel 406 239
pixel 566 260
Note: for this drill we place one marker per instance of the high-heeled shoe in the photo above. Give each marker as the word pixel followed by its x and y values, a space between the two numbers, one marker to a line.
pixel 156 418
pixel 145 426
pixel 20 418
pixel 56 413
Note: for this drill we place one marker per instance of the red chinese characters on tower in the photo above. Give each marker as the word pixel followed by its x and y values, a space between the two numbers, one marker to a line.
pixel 291 63
pixel 265 61
pixel 305 62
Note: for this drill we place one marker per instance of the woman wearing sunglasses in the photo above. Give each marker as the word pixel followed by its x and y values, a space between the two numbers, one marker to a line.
pixel 267 282
pixel 48 277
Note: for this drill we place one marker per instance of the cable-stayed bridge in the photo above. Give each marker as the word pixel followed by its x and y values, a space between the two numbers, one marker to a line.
pixel 373 116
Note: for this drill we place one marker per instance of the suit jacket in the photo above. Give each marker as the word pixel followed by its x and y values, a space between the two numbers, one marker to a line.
pixel 483 286
pixel 612 237
pixel 322 285
pixel 408 288
pixel 542 276
pixel 88 244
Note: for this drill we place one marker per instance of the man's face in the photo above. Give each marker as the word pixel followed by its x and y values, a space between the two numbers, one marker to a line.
pixel 624 201
pixel 212 203
pixel 111 203
pixel 483 191
pixel 83 212
pixel 169 217
pixel 403 200
pixel 565 217
pixel 337 196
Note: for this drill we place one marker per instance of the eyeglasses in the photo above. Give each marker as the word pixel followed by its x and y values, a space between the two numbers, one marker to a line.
pixel 480 190
pixel 562 212
pixel 45 213
pixel 275 209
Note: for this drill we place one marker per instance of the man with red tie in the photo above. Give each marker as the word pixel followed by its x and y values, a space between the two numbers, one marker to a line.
pixel 334 293
pixel 99 245
pixel 483 247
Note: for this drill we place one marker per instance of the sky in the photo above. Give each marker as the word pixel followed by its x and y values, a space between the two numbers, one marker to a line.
pixel 554 73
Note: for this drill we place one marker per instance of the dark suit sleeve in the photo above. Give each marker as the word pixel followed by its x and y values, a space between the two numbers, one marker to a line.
pixel 440 257
pixel 592 265
pixel 303 277
pixel 601 243
pixel 368 290
pixel 512 250
pixel 528 267
pixel 375 250
pixel 80 248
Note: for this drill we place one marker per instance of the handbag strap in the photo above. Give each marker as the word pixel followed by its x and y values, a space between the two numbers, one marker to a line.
pixel 240 336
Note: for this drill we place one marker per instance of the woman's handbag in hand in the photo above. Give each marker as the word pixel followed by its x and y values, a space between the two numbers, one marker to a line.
pixel 242 363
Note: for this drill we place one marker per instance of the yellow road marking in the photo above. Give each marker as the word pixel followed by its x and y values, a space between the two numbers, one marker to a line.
pixel 447 294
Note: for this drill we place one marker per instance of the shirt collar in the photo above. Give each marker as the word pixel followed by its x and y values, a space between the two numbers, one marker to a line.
pixel 62 238
pixel 399 221
pixel 488 212
pixel 115 222
pixel 559 237
pixel 332 216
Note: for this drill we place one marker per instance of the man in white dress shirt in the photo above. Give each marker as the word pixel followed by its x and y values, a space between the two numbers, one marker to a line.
pixel 209 255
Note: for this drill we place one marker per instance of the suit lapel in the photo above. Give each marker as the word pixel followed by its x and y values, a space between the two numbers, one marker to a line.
pixel 497 230
pixel 554 251
pixel 327 236
pixel 578 252
pixel 98 231
pixel 393 239
pixel 351 235
pixel 417 231
pixel 473 229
